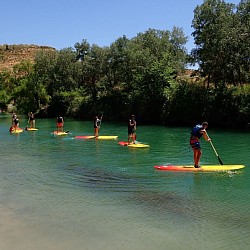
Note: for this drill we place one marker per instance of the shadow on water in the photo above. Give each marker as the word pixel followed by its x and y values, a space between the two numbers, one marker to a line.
pixel 158 196
pixel 135 189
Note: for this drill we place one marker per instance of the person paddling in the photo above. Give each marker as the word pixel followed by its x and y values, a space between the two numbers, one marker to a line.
pixel 31 120
pixel 197 132
pixel 12 121
pixel 15 123
pixel 131 129
pixel 97 125
pixel 59 123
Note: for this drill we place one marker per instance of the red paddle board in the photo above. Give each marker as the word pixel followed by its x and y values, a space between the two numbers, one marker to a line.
pixel 84 137
pixel 123 143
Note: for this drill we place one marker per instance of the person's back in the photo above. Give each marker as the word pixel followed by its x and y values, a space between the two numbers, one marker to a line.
pixel 131 129
pixel 32 120
pixel 16 122
pixel 59 119
pixel 196 131
pixel 97 124
pixel 60 123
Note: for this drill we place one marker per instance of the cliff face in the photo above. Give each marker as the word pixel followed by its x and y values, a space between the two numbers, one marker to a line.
pixel 11 55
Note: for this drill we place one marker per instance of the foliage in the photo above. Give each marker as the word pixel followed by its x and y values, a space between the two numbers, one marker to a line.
pixel 186 104
pixel 221 34
pixel 222 107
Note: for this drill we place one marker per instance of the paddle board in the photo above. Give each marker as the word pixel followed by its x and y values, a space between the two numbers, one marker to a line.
pixel 100 137
pixel 203 168
pixel 60 133
pixel 31 129
pixel 16 131
pixel 133 145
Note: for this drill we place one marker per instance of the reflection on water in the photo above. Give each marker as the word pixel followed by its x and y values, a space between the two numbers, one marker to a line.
pixel 62 193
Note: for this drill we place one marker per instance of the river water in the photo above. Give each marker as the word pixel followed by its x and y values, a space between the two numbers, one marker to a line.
pixel 61 193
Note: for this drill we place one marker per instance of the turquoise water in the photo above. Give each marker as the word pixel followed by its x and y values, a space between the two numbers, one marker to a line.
pixel 62 193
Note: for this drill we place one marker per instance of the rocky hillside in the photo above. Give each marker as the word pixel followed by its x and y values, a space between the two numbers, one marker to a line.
pixel 13 54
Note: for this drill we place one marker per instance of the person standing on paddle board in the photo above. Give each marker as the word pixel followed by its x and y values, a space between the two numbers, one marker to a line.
pixel 15 122
pixel 131 129
pixel 59 123
pixel 12 122
pixel 32 120
pixel 197 132
pixel 97 124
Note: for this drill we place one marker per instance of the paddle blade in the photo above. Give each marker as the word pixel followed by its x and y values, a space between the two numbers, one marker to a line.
pixel 221 163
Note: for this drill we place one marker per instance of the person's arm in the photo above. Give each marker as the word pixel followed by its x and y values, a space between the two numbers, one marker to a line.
pixel 204 132
pixel 130 123
pixel 100 121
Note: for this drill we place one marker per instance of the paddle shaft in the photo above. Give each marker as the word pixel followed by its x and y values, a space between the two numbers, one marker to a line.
pixel 215 151
pixel 100 121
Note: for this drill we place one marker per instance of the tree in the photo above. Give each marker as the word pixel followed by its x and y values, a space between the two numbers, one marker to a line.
pixel 91 60
pixel 157 57
pixel 7 83
pixel 222 50
pixel 243 15
pixel 212 21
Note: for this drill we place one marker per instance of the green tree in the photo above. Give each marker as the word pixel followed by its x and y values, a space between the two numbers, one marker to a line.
pixel 44 70
pixel 158 56
pixel 7 83
pixel 213 22
pixel 243 16
pixel 187 104
pixel 91 64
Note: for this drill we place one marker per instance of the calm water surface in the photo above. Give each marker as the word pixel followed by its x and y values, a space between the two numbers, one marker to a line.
pixel 62 193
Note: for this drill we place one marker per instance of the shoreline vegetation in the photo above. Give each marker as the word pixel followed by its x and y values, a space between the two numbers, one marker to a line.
pixel 147 75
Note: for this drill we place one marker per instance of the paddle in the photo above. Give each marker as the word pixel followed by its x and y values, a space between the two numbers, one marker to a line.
pixel 28 125
pixel 215 151
pixel 100 121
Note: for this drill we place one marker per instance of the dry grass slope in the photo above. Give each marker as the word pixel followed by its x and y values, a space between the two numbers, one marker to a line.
pixel 11 55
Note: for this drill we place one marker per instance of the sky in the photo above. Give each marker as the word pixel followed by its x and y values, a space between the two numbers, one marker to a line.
pixel 62 23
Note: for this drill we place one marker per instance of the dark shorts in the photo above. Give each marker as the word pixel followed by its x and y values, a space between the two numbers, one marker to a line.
pixel 131 131
pixel 195 144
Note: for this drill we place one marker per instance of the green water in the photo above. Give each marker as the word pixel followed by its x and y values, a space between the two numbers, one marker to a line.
pixel 62 193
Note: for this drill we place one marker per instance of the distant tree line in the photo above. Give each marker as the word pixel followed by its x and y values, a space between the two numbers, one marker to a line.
pixel 141 75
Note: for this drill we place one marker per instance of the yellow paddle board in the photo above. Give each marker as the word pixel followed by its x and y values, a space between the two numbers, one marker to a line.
pixel 31 129
pixel 60 133
pixel 16 131
pixel 107 137
pixel 100 137
pixel 138 145
pixel 133 145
